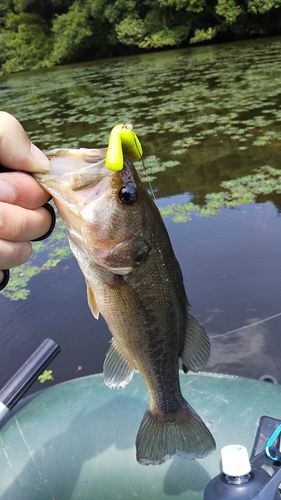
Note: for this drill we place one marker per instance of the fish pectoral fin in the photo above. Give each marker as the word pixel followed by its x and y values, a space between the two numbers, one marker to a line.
pixel 197 347
pixel 117 371
pixel 126 297
pixel 92 302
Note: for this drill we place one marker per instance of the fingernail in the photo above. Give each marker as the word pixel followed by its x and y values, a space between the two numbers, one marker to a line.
pixel 40 157
pixel 7 192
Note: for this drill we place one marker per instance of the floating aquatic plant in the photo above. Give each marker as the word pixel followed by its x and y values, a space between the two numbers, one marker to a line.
pixel 235 192
pixel 188 107
pixel 186 95
pixel 46 375
pixel 46 255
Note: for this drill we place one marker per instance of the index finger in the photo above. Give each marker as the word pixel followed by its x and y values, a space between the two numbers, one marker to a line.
pixel 16 150
pixel 20 188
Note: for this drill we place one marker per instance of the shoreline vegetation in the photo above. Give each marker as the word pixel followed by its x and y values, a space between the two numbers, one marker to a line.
pixel 38 34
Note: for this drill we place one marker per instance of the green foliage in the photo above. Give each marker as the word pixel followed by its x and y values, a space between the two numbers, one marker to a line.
pixel 229 10
pixel 189 5
pixel 164 38
pixel 5 8
pixel 70 31
pixel 21 5
pixel 42 33
pixel 117 10
pixel 195 6
pixel 154 30
pixel 201 35
pixel 26 42
pixel 262 6
pixel 131 30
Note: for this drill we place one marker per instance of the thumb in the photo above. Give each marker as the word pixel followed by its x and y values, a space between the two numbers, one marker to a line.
pixel 16 150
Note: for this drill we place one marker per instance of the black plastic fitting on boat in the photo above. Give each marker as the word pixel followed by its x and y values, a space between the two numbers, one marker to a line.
pixel 26 375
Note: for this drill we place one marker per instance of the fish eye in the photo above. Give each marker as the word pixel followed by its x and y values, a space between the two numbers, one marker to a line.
pixel 128 194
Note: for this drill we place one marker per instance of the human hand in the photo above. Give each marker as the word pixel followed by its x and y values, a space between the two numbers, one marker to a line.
pixel 22 215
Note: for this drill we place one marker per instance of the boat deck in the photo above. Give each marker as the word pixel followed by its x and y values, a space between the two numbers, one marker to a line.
pixel 76 440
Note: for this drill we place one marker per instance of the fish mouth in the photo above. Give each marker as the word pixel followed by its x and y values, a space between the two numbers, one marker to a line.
pixel 76 168
pixel 75 174
pixel 80 177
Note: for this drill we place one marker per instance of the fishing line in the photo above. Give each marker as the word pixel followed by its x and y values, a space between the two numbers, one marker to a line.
pixel 246 326
pixel 148 180
pixel 129 126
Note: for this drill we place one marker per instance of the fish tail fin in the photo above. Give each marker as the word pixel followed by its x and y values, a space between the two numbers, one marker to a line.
pixel 182 433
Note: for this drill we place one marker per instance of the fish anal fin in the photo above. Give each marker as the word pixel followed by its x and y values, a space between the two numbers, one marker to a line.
pixel 92 302
pixel 127 299
pixel 117 371
pixel 182 433
pixel 197 347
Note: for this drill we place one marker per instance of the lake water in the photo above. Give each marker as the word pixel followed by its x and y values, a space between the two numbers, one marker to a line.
pixel 204 115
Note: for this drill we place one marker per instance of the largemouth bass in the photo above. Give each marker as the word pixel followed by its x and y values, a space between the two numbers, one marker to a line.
pixel 134 280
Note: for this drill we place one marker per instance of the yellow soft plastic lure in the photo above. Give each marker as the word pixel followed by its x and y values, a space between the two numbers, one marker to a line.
pixel 122 142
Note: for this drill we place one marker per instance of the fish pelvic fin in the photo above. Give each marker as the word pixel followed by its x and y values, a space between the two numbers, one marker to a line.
pixel 197 346
pixel 92 302
pixel 117 371
pixel 181 433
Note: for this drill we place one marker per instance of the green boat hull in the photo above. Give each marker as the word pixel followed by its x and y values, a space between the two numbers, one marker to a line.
pixel 76 440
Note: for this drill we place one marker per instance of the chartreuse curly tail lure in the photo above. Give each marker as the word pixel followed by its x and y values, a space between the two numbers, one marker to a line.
pixel 122 142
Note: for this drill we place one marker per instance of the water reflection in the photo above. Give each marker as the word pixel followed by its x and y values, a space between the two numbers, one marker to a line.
pixel 254 345
pixel 205 115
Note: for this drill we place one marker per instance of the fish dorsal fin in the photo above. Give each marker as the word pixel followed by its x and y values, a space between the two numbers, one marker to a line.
pixel 117 371
pixel 196 350
pixel 127 300
pixel 92 302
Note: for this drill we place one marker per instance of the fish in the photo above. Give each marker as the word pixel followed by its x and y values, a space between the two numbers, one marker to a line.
pixel 134 281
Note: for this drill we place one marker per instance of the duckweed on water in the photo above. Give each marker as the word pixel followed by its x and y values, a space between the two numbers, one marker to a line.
pixel 209 111
pixel 49 253
pixel 46 255
pixel 185 95
pixel 46 375
pixel 235 192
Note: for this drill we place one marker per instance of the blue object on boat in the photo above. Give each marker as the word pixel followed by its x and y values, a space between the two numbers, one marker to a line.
pixel 272 451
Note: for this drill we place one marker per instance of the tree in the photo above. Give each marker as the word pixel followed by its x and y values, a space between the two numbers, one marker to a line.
pixel 26 42
pixel 70 34
pixel 40 33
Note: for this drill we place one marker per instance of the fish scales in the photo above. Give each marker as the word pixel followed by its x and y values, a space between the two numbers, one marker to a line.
pixel 134 280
